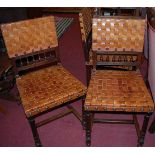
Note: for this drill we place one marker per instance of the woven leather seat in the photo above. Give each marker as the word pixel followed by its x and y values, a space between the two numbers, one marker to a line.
pixel 48 88
pixel 118 91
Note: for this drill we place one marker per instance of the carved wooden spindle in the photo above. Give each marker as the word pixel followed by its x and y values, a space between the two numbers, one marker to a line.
pixel 131 59
pixel 125 58
pixel 113 58
pixel 107 58
pixel 119 58
pixel 101 57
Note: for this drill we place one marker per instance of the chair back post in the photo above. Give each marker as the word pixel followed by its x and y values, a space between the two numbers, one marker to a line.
pixel 85 22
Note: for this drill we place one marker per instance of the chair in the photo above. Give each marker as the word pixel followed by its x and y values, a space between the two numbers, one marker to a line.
pixel 43 83
pixel 117 91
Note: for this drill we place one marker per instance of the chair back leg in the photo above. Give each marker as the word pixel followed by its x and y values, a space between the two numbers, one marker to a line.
pixel 88 126
pixel 83 114
pixel 143 130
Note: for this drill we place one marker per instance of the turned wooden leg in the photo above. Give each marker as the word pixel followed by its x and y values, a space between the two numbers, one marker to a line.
pixel 88 126
pixel 83 115
pixel 34 132
pixel 143 130
pixel 152 127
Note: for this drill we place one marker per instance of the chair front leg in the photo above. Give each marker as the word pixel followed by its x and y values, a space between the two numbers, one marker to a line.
pixel 88 126
pixel 34 132
pixel 143 130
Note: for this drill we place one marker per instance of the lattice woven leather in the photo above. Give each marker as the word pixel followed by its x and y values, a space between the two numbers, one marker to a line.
pixel 47 88
pixel 118 34
pixel 85 18
pixel 23 37
pixel 118 91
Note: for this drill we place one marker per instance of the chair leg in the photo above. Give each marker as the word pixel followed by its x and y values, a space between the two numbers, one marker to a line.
pixel 83 115
pixel 88 126
pixel 143 130
pixel 152 127
pixel 34 132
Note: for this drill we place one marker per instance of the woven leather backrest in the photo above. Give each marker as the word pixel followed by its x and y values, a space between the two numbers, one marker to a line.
pixel 85 18
pixel 115 34
pixel 29 36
